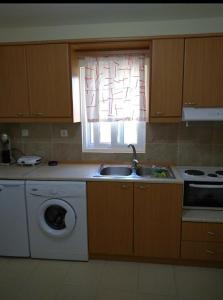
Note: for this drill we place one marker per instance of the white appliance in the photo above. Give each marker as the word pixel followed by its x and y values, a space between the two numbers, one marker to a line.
pixel 13 219
pixel 29 160
pixel 57 219
pixel 202 114
pixel 203 188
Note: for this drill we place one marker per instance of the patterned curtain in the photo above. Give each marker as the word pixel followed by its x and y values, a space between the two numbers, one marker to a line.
pixel 115 88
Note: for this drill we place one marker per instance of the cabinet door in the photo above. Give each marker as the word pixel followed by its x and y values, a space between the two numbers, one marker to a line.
pixel 49 80
pixel 110 218
pixel 167 78
pixel 13 82
pixel 157 220
pixel 203 72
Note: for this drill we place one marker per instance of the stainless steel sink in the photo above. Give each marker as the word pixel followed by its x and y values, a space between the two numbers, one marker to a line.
pixel 155 172
pixel 116 171
pixel 142 171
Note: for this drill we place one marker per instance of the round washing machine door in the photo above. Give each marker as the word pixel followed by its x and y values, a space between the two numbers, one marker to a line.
pixel 57 218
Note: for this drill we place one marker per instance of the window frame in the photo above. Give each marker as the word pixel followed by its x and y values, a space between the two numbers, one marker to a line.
pixel 112 47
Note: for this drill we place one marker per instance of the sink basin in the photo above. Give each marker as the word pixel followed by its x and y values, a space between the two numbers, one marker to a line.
pixel 116 171
pixel 155 172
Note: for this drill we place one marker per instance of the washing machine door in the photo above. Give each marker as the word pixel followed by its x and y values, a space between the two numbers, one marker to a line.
pixel 57 218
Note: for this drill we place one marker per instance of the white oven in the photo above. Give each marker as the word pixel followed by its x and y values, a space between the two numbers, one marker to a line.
pixel 203 187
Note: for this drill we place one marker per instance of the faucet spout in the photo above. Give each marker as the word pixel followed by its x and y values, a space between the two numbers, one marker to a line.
pixel 135 162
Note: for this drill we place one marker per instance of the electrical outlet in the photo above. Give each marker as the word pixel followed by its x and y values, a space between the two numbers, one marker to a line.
pixel 63 132
pixel 25 132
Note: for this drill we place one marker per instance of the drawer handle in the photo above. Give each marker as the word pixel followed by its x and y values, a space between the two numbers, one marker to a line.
pixel 159 113
pixel 211 233
pixel 210 252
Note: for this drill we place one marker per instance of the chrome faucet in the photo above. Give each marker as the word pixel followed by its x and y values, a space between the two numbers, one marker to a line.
pixel 135 162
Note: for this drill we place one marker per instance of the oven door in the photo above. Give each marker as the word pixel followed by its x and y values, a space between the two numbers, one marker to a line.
pixel 203 195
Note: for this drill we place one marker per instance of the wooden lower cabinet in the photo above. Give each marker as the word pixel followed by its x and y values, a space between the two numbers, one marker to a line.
pixel 157 220
pixel 110 218
pixel 202 232
pixel 208 251
pixel 202 241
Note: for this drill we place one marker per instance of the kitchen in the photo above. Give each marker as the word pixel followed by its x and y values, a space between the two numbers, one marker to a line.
pixel 193 144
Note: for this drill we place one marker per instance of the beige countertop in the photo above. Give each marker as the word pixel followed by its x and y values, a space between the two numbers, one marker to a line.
pixel 15 171
pixel 64 172
pixel 202 215
pixel 83 172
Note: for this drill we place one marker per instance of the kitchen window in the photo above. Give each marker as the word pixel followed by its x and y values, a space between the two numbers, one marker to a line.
pixel 113 89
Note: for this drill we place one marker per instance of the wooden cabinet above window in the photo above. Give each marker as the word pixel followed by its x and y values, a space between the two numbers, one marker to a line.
pixel 36 83
pixel 166 80
pixel 203 72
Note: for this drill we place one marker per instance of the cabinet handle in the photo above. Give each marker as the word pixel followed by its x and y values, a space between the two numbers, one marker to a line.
pixel 190 103
pixel 21 114
pixel 124 186
pixel 211 233
pixel 142 187
pixel 158 113
pixel 209 252
pixel 38 114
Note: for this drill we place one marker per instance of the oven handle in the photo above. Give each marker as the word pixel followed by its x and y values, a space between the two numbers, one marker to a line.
pixel 206 186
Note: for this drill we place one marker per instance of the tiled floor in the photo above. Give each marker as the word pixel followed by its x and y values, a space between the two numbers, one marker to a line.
pixel 33 279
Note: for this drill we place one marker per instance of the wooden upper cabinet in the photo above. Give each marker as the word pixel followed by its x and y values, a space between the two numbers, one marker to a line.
pixel 203 72
pixel 166 79
pixel 110 218
pixel 13 82
pixel 157 220
pixel 49 76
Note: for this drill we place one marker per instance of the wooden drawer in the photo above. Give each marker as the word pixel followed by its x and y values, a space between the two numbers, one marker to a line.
pixel 198 232
pixel 202 251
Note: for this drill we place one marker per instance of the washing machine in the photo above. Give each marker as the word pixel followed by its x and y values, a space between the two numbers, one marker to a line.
pixel 57 219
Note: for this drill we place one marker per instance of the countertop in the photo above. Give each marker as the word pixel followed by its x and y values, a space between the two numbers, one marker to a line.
pixel 89 172
pixel 79 172
pixel 202 215
pixel 15 172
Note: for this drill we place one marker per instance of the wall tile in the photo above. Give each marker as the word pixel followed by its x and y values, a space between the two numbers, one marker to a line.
pixel 195 133
pixel 42 149
pixel 40 132
pixel 199 144
pixel 161 152
pixel 217 155
pixel 74 133
pixel 13 130
pixel 17 149
pixel 194 154
pixel 61 151
pixel 218 133
pixel 159 133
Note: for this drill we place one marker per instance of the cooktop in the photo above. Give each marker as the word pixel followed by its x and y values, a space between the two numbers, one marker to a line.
pixel 192 173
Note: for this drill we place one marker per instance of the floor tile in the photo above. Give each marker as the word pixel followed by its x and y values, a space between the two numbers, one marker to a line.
pixel 15 269
pixel 157 279
pixel 199 282
pixel 37 291
pixel 49 271
pixel 120 275
pixel 9 291
pixel 75 292
pixel 33 279
pixel 84 273
pixel 110 294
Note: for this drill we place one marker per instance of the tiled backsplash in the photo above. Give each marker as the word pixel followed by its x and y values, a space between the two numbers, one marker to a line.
pixel 201 143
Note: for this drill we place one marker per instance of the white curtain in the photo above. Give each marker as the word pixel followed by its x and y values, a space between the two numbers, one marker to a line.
pixel 115 88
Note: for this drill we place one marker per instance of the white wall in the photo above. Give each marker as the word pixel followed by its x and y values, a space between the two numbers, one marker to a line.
pixel 133 29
